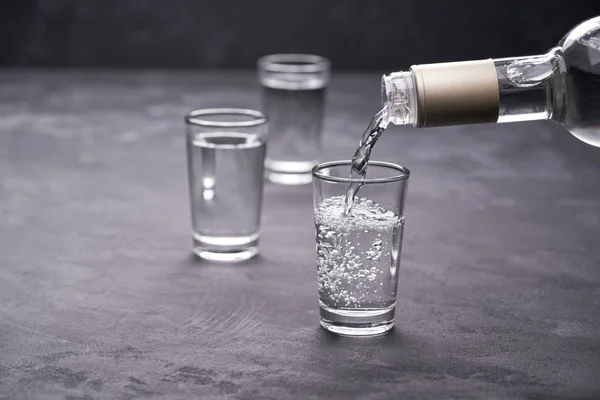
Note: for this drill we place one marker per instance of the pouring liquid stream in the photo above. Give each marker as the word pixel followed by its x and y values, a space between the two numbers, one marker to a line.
pixel 360 160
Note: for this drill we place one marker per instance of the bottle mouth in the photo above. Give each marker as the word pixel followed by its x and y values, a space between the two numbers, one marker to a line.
pixel 398 97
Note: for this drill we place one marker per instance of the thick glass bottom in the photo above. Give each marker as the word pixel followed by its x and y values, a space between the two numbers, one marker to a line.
pixel 289 172
pixel 371 322
pixel 225 248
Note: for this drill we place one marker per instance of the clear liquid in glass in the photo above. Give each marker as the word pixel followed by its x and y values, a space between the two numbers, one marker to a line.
pixel 295 112
pixel 357 262
pixel 226 179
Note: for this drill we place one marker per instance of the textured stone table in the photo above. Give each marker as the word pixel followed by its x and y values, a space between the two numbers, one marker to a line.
pixel 100 297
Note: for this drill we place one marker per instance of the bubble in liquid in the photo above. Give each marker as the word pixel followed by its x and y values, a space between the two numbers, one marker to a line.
pixel 342 278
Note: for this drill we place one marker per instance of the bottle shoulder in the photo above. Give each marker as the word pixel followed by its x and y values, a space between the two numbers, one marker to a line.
pixel 580 50
pixel 587 34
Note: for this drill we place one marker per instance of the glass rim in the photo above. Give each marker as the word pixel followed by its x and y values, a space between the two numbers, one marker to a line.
pixel 294 62
pixel 404 172
pixel 256 118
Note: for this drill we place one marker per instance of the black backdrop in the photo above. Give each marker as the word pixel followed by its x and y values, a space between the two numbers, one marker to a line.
pixel 354 34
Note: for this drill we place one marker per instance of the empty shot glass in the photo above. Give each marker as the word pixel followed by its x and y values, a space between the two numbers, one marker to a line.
pixel 225 160
pixel 358 252
pixel 293 95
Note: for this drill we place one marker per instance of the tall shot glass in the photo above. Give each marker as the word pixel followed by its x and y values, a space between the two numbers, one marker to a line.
pixel 358 253
pixel 225 159
pixel 293 94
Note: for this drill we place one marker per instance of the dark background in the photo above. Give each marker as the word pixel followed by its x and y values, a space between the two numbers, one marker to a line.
pixel 354 34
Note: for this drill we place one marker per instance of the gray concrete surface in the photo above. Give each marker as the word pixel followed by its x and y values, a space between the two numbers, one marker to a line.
pixel 100 297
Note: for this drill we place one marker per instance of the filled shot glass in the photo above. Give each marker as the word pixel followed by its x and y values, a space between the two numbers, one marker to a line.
pixel 358 251
pixel 293 97
pixel 225 160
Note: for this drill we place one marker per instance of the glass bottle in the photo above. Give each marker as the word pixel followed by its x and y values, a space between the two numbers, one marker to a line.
pixel 562 85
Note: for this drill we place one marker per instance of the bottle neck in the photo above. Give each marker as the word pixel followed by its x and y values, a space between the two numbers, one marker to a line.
pixel 501 90
pixel 529 87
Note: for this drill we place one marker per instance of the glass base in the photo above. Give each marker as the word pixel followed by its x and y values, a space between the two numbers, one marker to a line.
pixel 289 172
pixel 289 179
pixel 357 322
pixel 225 248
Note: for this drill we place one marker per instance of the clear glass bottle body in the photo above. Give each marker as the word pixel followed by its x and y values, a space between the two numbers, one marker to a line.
pixel 562 85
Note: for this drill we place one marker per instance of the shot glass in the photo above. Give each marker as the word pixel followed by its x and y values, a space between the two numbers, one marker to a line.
pixel 225 160
pixel 358 252
pixel 293 95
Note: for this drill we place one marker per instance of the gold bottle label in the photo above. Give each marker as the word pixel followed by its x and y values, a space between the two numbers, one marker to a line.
pixel 456 93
